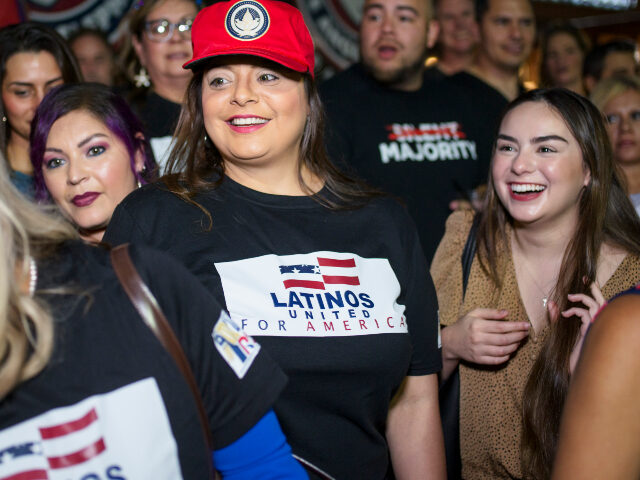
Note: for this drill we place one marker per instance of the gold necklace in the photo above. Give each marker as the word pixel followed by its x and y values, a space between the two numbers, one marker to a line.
pixel 545 293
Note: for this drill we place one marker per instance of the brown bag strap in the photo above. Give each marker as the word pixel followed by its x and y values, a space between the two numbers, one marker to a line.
pixel 148 308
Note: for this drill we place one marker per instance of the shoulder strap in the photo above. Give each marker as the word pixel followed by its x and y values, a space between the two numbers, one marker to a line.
pixel 148 308
pixel 469 252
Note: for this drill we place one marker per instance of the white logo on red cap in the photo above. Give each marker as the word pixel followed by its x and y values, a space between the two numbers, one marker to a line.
pixel 247 20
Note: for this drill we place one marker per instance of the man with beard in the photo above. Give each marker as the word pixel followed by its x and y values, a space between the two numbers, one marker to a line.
pixel 418 138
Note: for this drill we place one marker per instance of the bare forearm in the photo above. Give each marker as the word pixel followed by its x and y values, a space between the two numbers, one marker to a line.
pixel 414 432
pixel 450 361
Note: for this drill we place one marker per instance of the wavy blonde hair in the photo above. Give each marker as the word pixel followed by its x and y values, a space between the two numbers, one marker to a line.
pixel 27 233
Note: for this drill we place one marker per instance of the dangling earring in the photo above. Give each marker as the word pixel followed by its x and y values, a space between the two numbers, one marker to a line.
pixel 4 119
pixel 138 184
pixel 142 78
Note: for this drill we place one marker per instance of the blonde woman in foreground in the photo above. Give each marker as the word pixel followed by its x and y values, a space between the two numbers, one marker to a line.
pixel 86 389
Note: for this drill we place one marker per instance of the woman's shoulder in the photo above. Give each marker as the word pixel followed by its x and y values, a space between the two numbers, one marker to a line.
pixel 620 269
pixel 455 236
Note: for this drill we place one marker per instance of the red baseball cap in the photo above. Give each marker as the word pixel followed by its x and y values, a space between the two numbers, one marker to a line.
pixel 269 29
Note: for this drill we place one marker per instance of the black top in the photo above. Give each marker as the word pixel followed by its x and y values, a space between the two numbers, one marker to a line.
pixel 111 402
pixel 159 117
pixel 428 147
pixel 341 299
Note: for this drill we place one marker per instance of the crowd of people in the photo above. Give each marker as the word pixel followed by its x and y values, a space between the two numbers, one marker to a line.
pixel 318 258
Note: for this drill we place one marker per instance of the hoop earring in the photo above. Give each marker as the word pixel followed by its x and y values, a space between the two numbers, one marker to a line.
pixel 142 79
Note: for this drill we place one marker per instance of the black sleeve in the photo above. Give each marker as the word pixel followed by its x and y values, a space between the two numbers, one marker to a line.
pixel 422 304
pixel 238 380
pixel 337 139
pixel 123 228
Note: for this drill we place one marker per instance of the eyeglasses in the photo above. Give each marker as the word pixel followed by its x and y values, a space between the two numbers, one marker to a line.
pixel 162 30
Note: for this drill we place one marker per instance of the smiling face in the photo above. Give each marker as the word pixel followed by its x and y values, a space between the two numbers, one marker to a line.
pixel 28 77
pixel 87 170
pixel 458 27
pixel 623 126
pixel 394 38
pixel 164 59
pixel 564 59
pixel 254 113
pixel 538 171
pixel 507 31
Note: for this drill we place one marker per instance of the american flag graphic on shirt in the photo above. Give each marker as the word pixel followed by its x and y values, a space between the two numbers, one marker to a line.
pixel 328 271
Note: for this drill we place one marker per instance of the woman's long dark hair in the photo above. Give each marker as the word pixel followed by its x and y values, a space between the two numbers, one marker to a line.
pixel 606 215
pixel 194 161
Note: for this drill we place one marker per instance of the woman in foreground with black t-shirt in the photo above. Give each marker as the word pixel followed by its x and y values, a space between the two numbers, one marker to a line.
pixel 331 278
pixel 88 391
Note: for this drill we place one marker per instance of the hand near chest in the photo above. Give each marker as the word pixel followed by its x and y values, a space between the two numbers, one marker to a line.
pixel 483 336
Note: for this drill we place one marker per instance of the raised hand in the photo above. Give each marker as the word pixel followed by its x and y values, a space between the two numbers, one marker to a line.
pixel 592 305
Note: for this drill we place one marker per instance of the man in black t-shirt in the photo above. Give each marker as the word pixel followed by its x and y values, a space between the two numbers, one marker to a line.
pixel 425 140
pixel 507 34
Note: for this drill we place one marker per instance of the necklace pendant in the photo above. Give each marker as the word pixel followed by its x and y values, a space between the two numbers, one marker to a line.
pixel 544 301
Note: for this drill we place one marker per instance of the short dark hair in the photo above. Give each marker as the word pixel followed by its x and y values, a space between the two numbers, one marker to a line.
pixel 482 6
pixel 594 61
pixel 90 32
pixel 34 37
pixel 99 101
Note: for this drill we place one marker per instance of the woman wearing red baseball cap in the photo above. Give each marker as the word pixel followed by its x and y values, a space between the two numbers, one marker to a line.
pixel 329 275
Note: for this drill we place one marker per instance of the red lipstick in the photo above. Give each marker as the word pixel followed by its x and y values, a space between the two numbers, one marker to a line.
pixel 85 199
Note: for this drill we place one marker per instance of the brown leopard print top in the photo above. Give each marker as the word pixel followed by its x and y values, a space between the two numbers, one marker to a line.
pixel 491 397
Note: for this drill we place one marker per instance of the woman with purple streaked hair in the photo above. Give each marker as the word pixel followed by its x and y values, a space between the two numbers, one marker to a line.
pixel 88 153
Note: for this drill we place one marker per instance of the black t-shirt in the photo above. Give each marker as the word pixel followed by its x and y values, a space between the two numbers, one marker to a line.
pixel 111 403
pixel 329 294
pixel 428 147
pixel 159 117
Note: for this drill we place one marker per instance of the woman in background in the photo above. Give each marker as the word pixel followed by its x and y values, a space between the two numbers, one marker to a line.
pixel 557 235
pixel 87 390
pixel 158 43
pixel 88 152
pixel 563 50
pixel 33 60
pixel 619 100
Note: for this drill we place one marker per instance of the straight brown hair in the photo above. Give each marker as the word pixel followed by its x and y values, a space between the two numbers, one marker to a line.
pixel 606 215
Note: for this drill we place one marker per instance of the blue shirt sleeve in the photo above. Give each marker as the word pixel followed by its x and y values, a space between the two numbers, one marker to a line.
pixel 262 452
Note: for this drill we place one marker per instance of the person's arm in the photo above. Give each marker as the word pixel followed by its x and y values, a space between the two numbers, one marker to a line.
pixel 414 431
pixel 262 452
pixel 600 429
pixel 481 337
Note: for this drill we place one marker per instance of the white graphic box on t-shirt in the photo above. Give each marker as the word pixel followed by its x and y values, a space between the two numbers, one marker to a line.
pixel 122 434
pixel 318 294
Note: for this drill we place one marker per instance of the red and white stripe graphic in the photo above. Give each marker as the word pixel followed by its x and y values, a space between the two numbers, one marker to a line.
pixel 73 442
pixel 338 272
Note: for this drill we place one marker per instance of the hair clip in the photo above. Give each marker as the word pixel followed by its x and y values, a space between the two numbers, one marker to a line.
pixel 138 4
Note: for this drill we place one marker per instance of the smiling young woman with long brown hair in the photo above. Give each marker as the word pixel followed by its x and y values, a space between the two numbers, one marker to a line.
pixel 557 235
